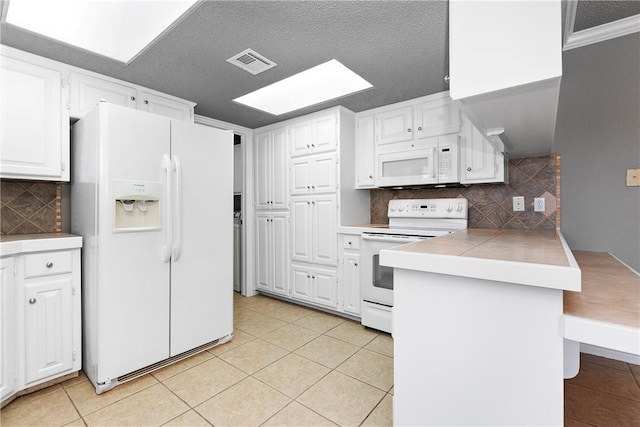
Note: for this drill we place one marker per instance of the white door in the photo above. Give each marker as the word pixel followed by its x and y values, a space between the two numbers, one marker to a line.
pixel 365 152
pixel 350 283
pixel 300 134
pixel 436 117
pixel 279 226
pixel 133 279
pixel 324 133
pixel 325 285
pixel 301 283
pixel 8 328
pixel 263 251
pixel 324 226
pixel 87 91
pixel 164 106
pixel 32 116
pixel 394 126
pixel 301 175
pixel 48 326
pixel 301 218
pixel 479 156
pixel 263 170
pixel 280 190
pixel 202 262
pixel 324 173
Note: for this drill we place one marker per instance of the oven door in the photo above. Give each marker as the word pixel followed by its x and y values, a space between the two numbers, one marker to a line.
pixel 376 281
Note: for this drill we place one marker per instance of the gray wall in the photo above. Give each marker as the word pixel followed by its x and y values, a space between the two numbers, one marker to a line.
pixel 598 137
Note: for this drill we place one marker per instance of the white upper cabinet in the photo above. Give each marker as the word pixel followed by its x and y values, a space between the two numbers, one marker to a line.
pixel 505 64
pixel 365 151
pixel 87 91
pixel 34 120
pixel 481 161
pixel 313 136
pixel 436 117
pixel 314 174
pixel 164 106
pixel 394 125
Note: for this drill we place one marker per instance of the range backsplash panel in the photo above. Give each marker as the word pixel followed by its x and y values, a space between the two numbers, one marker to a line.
pixel 491 205
pixel 29 207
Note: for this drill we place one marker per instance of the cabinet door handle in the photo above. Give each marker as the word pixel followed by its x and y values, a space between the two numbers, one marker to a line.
pixel 349 243
pixel 469 169
pixel 355 264
pixel 32 300
pixel 313 277
pixel 49 264
pixel 313 203
pixel 370 176
pixel 307 145
pixel 419 127
pixel 408 129
pixel 313 145
pixel 133 98
pixel 313 187
pixel 146 101
pixel 308 277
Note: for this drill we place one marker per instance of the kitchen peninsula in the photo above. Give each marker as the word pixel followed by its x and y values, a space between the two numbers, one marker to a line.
pixel 477 327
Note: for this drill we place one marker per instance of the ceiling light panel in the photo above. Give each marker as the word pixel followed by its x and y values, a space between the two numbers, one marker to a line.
pixel 321 83
pixel 117 29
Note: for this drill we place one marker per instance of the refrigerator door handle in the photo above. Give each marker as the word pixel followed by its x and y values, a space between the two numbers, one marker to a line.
pixel 177 242
pixel 168 171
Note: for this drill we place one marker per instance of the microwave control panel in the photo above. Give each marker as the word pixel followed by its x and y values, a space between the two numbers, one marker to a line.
pixel 428 208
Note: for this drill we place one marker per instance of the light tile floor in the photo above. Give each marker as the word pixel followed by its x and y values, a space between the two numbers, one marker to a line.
pixel 291 366
pixel 286 366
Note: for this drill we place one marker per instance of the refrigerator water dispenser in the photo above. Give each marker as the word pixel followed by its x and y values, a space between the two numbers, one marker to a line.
pixel 136 206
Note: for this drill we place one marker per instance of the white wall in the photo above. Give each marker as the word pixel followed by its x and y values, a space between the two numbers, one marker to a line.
pixel 598 137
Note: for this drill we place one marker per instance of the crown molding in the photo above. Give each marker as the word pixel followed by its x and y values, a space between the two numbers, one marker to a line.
pixel 610 30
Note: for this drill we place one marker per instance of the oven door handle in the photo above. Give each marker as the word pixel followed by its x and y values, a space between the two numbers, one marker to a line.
pixel 391 239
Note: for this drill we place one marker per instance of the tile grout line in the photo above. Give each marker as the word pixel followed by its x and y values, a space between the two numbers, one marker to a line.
pixel 637 402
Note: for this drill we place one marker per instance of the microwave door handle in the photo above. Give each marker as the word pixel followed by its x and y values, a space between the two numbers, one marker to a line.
pixel 433 162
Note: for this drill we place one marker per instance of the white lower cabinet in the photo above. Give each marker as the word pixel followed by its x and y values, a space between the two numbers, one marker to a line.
pixel 315 285
pixel 8 370
pixel 41 320
pixel 272 252
pixel 349 273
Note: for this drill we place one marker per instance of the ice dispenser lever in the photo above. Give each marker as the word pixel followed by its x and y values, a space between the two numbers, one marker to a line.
pixel 137 206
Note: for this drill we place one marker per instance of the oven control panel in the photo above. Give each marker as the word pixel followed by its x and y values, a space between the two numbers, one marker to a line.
pixel 428 208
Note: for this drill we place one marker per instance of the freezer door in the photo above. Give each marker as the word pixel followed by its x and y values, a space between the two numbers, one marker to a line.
pixel 132 298
pixel 202 259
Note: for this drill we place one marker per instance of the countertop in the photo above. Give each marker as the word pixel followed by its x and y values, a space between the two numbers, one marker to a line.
pixel 610 291
pixel 525 257
pixel 21 243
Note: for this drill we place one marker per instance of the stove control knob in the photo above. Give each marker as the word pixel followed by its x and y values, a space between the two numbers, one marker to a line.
pixel 449 208
pixel 401 208
pixel 393 208
pixel 459 208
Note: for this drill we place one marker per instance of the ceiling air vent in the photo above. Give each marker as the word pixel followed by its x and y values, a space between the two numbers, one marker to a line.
pixel 251 61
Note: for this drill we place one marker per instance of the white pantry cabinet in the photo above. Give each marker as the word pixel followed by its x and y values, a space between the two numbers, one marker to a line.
pixel 314 174
pixel 505 65
pixel 34 118
pixel 317 135
pixel 87 89
pixel 315 285
pixel 271 169
pixel 272 252
pixel 41 305
pixel 314 229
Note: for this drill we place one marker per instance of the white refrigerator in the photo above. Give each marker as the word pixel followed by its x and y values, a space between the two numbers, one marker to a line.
pixel 153 199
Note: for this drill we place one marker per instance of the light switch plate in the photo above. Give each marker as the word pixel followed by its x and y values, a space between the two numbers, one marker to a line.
pixel 518 204
pixel 633 177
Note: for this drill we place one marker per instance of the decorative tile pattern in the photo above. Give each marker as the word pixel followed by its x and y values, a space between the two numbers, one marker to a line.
pixel 490 205
pixel 29 207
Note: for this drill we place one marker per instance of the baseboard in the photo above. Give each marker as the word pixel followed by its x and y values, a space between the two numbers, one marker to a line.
pixel 610 354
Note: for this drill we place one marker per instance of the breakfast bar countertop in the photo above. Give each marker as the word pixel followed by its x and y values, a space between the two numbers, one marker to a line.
pixel 526 257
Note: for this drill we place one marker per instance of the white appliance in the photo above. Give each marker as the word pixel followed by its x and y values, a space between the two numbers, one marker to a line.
pixel 435 161
pixel 152 198
pixel 410 220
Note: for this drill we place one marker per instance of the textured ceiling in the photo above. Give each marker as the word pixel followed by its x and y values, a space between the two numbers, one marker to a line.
pixel 591 13
pixel 398 46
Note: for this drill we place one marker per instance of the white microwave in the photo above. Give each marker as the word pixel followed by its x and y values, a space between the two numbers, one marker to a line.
pixel 436 162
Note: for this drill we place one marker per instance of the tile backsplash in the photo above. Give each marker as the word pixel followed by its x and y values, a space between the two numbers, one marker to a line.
pixel 490 205
pixel 29 207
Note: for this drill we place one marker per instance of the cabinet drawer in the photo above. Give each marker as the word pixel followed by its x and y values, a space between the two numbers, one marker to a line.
pixel 48 263
pixel 351 242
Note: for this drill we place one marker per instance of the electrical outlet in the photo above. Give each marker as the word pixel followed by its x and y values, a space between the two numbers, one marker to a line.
pixel 538 204
pixel 518 204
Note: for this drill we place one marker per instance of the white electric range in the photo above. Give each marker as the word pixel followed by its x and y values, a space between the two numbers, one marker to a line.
pixel 410 220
